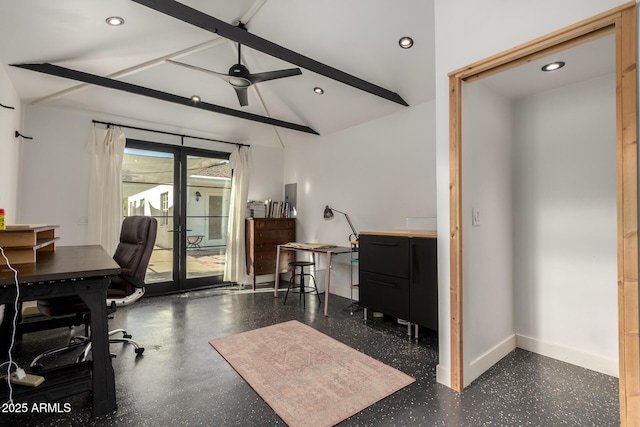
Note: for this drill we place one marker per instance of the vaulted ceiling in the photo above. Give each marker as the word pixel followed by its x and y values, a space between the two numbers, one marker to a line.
pixel 358 37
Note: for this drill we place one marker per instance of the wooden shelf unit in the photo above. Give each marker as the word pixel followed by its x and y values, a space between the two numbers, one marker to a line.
pixel 22 245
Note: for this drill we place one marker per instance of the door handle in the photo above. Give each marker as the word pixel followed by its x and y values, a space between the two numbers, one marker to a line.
pixel 378 282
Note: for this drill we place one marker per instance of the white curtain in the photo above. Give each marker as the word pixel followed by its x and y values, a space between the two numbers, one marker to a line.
pixel 105 189
pixel 235 267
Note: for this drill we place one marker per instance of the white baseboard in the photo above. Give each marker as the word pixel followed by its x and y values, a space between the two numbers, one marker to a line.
pixel 488 359
pixel 566 354
pixel 443 375
pixel 570 355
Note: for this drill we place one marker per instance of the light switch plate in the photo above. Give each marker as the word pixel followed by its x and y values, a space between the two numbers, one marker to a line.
pixel 475 217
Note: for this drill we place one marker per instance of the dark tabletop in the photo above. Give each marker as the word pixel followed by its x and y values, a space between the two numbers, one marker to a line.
pixel 66 262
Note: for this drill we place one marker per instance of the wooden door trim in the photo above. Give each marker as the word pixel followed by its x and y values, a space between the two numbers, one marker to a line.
pixel 622 22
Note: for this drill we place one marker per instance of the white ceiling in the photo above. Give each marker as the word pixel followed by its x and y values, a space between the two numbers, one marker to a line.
pixel 583 62
pixel 349 35
pixel 359 37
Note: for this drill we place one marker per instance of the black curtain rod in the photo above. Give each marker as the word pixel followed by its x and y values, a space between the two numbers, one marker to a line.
pixel 108 124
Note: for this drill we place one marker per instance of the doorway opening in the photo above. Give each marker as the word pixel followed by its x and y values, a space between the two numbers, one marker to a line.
pixel 621 22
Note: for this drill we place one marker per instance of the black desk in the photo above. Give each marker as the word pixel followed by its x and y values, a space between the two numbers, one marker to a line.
pixel 85 271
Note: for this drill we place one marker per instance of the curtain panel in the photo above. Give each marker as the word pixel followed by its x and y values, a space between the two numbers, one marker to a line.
pixel 105 189
pixel 235 268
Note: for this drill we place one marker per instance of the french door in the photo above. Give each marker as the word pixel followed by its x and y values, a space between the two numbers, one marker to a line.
pixel 187 190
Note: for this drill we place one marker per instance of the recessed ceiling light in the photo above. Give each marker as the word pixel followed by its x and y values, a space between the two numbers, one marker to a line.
pixel 114 21
pixel 405 42
pixel 318 90
pixel 553 66
pixel 195 98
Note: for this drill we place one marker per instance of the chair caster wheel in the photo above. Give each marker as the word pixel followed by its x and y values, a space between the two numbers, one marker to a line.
pixel 139 351
pixel 128 336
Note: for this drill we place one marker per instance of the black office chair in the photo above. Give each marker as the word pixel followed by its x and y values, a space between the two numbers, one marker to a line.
pixel 137 239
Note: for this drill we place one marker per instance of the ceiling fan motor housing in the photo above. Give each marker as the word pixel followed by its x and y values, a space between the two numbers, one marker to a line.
pixel 238 70
pixel 238 76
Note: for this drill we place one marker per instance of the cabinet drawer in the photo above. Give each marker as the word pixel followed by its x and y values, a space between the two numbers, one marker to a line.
pixel 283 236
pixel 265 247
pixel 271 224
pixel 264 267
pixel 387 255
pixel 265 256
pixel 267 265
pixel 386 294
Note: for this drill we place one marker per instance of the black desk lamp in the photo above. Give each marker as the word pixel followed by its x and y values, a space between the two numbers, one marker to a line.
pixel 328 214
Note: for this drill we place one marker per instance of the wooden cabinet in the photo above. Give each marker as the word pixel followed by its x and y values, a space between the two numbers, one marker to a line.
pixel 399 276
pixel 263 235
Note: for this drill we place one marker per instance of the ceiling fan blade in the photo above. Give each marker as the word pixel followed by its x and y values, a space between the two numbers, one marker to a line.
pixel 231 32
pixel 272 75
pixel 225 77
pixel 242 95
pixel 67 73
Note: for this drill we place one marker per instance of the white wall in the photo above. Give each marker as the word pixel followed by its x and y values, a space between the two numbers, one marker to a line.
pixel 267 173
pixel 565 248
pixel 488 325
pixel 467 31
pixel 379 173
pixel 56 167
pixel 10 121
pixel 55 173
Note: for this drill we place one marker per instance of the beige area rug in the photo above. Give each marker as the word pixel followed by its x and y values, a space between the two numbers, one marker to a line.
pixel 308 378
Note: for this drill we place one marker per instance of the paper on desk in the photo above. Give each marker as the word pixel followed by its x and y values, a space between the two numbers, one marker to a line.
pixel 310 246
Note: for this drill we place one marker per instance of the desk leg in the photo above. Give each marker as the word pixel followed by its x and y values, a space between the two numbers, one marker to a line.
pixel 275 292
pixel 104 387
pixel 6 329
pixel 327 283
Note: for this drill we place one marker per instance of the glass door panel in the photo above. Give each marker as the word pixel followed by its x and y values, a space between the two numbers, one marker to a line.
pixel 148 189
pixel 208 193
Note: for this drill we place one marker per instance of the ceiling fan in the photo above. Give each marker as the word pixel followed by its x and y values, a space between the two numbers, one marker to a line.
pixel 239 76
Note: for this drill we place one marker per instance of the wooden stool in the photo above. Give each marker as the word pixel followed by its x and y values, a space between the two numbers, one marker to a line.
pixel 301 274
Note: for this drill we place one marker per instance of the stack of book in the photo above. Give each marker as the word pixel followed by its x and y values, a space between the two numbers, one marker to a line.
pixel 256 209
pixel 278 209
pixel 269 209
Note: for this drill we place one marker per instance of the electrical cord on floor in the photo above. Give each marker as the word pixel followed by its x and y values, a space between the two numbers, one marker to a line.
pixel 19 371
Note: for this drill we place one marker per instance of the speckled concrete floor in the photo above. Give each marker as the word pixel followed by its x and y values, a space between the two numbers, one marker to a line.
pixel 181 380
